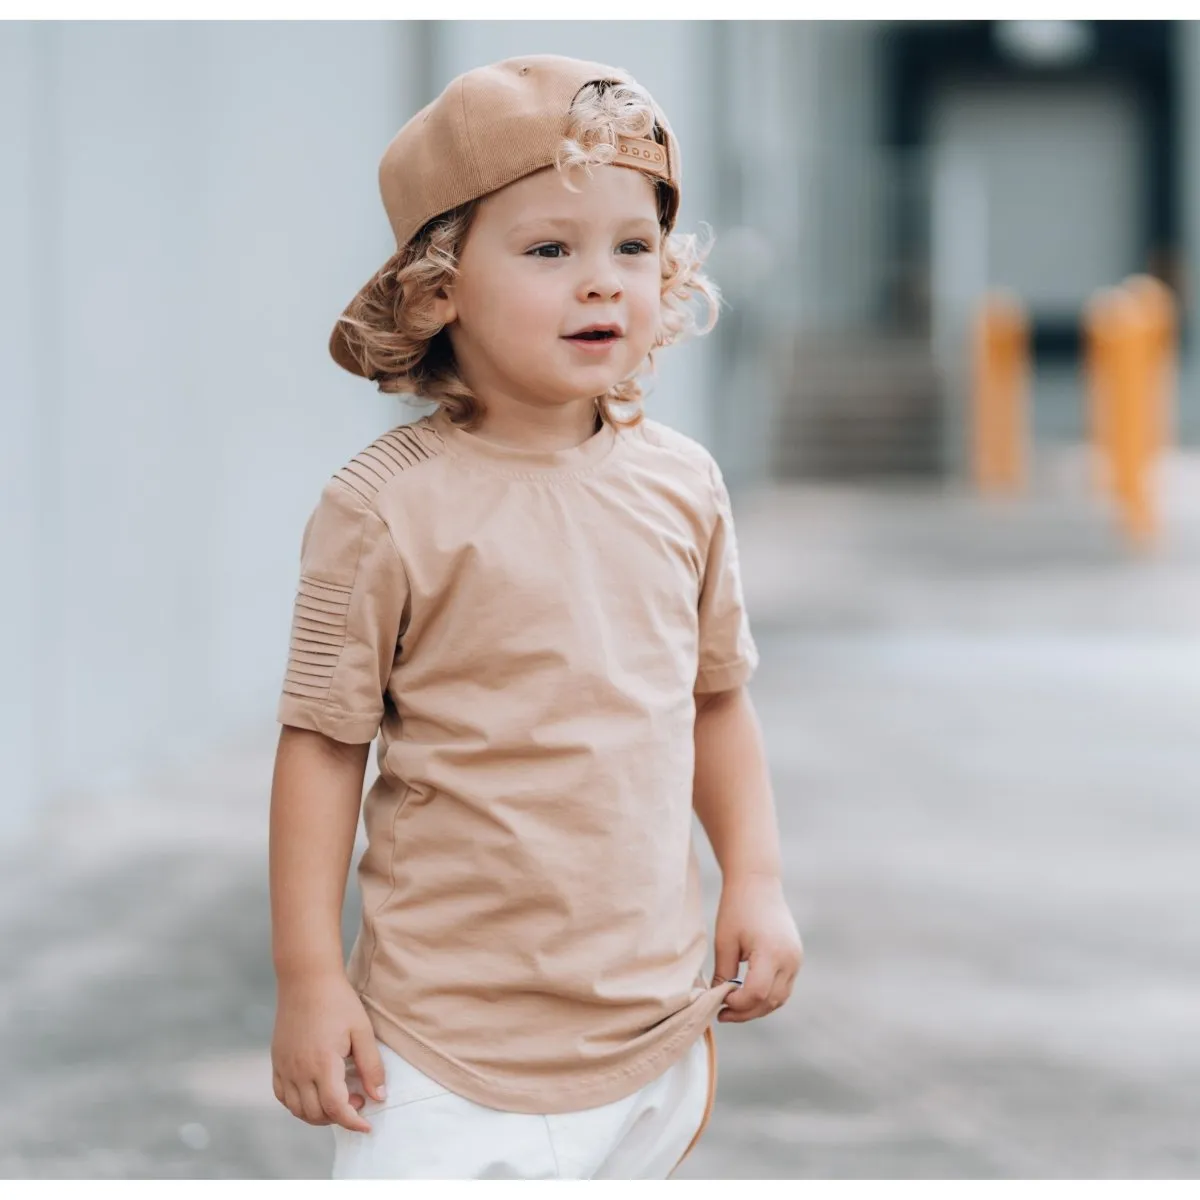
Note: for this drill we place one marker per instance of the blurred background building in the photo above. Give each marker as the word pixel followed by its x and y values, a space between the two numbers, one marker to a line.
pixel 978 720
pixel 186 207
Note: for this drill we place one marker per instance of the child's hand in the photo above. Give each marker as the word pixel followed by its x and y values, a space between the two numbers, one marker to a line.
pixel 319 1023
pixel 754 925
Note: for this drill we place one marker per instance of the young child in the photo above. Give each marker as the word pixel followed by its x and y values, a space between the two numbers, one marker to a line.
pixel 533 598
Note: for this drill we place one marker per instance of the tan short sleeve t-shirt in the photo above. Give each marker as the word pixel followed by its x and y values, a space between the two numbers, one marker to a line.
pixel 526 631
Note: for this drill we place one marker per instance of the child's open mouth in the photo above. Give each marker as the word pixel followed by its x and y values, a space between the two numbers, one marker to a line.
pixel 599 337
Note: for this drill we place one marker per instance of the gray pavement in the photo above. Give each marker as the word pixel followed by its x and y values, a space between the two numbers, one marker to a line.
pixel 982 724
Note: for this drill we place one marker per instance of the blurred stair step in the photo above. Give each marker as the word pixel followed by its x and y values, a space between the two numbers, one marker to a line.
pixel 860 406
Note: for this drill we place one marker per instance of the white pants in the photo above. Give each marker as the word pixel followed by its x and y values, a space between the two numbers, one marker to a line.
pixel 425 1131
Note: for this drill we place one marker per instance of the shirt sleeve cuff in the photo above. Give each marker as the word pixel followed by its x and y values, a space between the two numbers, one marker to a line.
pixel 726 676
pixel 335 723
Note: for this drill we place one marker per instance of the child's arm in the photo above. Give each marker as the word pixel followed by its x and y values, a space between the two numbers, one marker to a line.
pixel 320 1021
pixel 733 800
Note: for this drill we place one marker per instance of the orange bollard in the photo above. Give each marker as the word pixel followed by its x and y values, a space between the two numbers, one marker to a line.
pixel 1162 329
pixel 1000 394
pixel 1101 321
pixel 1134 425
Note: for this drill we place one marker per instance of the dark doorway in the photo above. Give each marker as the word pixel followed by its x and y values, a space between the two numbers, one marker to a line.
pixel 1124 74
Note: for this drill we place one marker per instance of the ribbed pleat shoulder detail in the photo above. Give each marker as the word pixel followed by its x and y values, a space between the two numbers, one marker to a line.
pixel 398 450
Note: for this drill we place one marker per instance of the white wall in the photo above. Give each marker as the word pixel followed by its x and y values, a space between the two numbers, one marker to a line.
pixel 21 507
pixel 845 180
pixel 187 208
pixel 762 120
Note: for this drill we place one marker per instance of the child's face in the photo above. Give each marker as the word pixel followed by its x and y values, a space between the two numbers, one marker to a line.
pixel 541 263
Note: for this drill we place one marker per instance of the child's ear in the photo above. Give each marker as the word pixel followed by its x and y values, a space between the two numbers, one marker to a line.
pixel 444 308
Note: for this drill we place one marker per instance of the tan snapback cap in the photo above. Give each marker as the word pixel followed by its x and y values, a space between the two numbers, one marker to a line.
pixel 490 127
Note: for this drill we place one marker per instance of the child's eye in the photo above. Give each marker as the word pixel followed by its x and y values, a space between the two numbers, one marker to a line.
pixel 557 249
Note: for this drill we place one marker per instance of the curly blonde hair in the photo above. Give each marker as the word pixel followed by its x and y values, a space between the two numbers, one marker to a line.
pixel 391 330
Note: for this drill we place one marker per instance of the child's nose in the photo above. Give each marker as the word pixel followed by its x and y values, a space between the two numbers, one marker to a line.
pixel 601 280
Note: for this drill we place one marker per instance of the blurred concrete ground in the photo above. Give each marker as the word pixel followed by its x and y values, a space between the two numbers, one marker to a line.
pixel 982 721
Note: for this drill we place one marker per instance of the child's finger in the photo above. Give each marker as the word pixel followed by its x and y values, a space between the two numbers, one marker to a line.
pixel 335 1100
pixel 780 991
pixel 760 976
pixel 758 1003
pixel 728 959
pixel 367 1061
pixel 292 1102
pixel 311 1105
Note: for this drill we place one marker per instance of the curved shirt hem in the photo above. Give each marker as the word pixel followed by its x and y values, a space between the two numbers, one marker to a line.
pixel 575 1088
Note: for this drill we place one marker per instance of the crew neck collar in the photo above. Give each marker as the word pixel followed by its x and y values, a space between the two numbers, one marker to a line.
pixel 520 461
